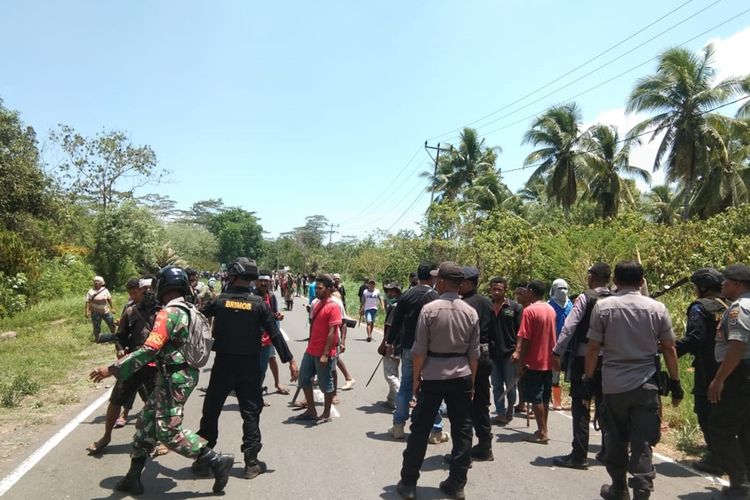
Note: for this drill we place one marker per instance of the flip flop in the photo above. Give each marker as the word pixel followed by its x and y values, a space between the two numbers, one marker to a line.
pixel 283 391
pixel 536 439
pixel 120 423
pixel 93 449
pixel 306 417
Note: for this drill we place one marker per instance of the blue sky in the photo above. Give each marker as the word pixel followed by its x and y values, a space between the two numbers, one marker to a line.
pixel 292 109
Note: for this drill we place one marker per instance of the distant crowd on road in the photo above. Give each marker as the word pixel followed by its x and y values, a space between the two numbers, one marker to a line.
pixel 446 349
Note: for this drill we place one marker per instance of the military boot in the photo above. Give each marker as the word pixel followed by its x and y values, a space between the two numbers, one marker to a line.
pixel 219 464
pixel 131 483
pixel 253 466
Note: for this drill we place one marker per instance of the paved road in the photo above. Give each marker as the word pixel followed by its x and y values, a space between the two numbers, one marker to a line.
pixel 349 458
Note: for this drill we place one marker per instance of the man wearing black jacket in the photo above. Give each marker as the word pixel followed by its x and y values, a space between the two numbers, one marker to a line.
pixel 480 412
pixel 240 317
pixel 506 314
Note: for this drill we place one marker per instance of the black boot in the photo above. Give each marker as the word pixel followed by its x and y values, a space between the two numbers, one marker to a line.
pixel 253 466
pixel 482 452
pixel 220 465
pixel 451 490
pixel 407 491
pixel 615 491
pixel 131 483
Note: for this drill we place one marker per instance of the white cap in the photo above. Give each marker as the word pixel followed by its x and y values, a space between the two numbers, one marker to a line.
pixel 98 279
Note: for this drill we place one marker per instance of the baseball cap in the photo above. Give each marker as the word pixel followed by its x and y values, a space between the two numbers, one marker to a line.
pixel 450 271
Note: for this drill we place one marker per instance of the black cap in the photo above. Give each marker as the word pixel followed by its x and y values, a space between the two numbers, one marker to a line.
pixel 707 277
pixel 601 270
pixel 470 273
pixel 423 271
pixel 450 271
pixel 243 267
pixel 737 272
pixel 393 286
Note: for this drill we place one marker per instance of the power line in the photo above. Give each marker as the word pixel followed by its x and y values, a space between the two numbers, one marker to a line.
pixel 630 37
pixel 403 214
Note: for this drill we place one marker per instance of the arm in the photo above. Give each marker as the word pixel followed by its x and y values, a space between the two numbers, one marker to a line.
pixel 569 327
pixel 670 359
pixel 395 328
pixel 270 326
pixel 695 332
pixel 334 322
pixel 732 359
pixel 417 364
pixel 592 358
pixel 329 344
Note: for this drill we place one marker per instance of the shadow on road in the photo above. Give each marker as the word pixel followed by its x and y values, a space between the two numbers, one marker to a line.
pixel 375 408
pixel 426 492
pixel 710 493
pixel 382 436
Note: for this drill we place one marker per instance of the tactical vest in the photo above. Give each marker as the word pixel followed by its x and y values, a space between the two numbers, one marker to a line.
pixel 713 307
pixel 237 326
pixel 582 329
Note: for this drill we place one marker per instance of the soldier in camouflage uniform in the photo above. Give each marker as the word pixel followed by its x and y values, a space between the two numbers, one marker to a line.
pixel 161 418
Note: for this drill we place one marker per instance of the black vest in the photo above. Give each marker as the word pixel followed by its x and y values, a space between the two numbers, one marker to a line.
pixel 237 323
pixel 582 328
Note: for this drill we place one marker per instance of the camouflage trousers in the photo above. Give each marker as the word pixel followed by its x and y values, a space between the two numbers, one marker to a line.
pixel 161 417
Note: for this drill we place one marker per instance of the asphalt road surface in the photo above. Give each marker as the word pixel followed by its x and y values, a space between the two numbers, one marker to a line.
pixel 351 457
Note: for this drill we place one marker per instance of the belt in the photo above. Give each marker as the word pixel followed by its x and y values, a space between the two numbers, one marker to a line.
pixel 446 354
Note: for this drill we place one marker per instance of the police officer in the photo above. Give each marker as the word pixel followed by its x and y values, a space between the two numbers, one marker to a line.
pixel 729 391
pixel 629 327
pixel 480 412
pixel 161 417
pixel 240 317
pixel 569 355
pixel 703 316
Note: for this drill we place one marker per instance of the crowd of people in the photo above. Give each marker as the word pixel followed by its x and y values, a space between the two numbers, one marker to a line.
pixel 446 348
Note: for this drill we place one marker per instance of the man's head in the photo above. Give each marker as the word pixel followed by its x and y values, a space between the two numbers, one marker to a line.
pixel 498 288
pixel 371 284
pixel 523 296
pixel 98 282
pixel 192 275
pixel 736 281
pixel 707 281
pixel 135 292
pixel 392 290
pixel 535 290
pixel 243 270
pixel 263 281
pixel 628 274
pixel 559 291
pixel 449 277
pixel 599 275
pixel 423 273
pixel 470 281
pixel 323 286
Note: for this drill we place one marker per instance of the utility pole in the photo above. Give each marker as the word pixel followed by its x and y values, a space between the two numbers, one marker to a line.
pixel 330 234
pixel 437 159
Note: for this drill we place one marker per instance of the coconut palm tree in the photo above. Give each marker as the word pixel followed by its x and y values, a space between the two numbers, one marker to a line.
pixel 607 160
pixel 681 93
pixel 662 204
pixel 557 131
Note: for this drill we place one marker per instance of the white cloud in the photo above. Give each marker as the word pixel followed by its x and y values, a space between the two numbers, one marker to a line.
pixel 731 57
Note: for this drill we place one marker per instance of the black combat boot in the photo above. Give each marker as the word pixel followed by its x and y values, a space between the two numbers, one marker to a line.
pixel 407 491
pixel 253 466
pixel 451 490
pixel 615 491
pixel 482 452
pixel 220 465
pixel 131 483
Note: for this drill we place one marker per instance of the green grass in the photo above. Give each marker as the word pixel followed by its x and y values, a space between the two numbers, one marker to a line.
pixel 48 362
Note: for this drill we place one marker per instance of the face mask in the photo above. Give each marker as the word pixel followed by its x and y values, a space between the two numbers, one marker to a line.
pixel 559 292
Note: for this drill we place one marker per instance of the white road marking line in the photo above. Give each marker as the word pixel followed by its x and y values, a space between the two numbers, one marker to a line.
pixel 12 478
pixel 664 458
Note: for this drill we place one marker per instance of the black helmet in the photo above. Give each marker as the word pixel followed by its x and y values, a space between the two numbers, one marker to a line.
pixel 244 268
pixel 707 277
pixel 171 278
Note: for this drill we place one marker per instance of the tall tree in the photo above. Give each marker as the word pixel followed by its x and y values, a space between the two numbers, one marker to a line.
pixel 662 204
pixel 104 169
pixel 682 93
pixel 607 161
pixel 558 132
pixel 239 234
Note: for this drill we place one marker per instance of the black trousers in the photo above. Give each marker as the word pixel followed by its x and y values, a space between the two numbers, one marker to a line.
pixel 729 427
pixel 631 419
pixel 240 374
pixel 457 395
pixel 480 407
pixel 702 408
pixel 581 413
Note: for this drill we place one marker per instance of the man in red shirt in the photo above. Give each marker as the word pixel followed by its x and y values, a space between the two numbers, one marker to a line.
pixel 320 356
pixel 533 355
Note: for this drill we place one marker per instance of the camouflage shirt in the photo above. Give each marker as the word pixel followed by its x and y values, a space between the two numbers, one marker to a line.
pixel 169 332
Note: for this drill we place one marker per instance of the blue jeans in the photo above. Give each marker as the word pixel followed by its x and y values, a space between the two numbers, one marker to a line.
pixel 503 376
pixel 401 415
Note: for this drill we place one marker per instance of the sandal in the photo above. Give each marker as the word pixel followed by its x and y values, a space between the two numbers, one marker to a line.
pixel 120 423
pixel 95 448
pixel 306 417
pixel 535 438
pixel 282 390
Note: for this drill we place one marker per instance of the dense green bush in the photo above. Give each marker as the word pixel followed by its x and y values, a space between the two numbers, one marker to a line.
pixel 60 276
pixel 13 290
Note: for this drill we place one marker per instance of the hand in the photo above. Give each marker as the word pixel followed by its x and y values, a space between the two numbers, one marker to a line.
pixel 556 365
pixel 343 347
pixel 293 371
pixel 278 316
pixel 99 374
pixel 324 360
pixel 389 350
pixel 714 391
pixel 677 393
pixel 515 357
pixel 120 353
pixel 589 388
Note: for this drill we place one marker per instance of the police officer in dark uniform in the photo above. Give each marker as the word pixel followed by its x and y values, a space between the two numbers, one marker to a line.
pixel 729 391
pixel 704 315
pixel 480 412
pixel 240 317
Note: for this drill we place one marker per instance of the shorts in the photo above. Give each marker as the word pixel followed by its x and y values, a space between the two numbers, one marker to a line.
pixel 370 315
pixel 123 393
pixel 537 386
pixel 311 366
